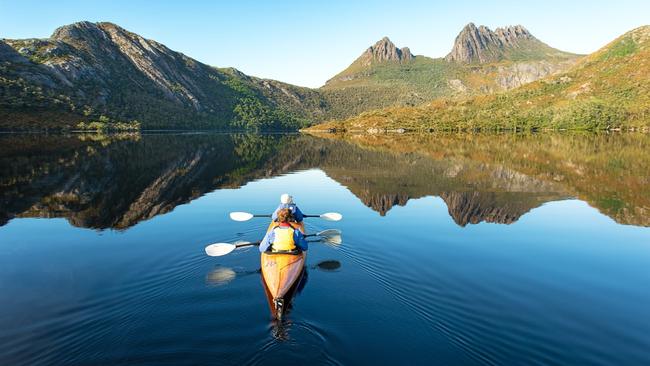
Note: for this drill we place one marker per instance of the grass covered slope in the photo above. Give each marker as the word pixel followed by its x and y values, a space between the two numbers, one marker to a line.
pixel 481 61
pixel 608 89
pixel 388 84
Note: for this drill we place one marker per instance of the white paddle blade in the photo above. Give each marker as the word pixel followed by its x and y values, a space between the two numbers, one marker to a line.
pixel 332 216
pixel 241 216
pixel 333 241
pixel 329 232
pixel 219 249
pixel 220 276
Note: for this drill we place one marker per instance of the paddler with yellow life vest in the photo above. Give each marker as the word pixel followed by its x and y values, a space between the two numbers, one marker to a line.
pixel 284 235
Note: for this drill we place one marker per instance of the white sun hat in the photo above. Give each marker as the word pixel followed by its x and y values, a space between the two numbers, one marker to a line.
pixel 286 199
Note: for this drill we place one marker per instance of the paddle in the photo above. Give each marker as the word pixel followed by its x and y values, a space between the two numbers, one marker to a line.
pixel 245 216
pixel 219 249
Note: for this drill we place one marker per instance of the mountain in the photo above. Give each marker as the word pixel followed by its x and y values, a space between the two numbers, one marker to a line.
pixel 608 89
pixel 99 75
pixel 482 45
pixel 89 71
pixel 481 62
pixel 385 51
pixel 382 52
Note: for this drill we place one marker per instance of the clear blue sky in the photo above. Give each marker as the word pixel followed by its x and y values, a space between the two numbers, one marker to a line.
pixel 305 43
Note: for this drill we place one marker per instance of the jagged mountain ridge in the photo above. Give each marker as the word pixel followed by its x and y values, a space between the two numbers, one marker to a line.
pixel 482 45
pixel 481 62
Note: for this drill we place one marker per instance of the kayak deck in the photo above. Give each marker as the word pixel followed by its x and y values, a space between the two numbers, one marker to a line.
pixel 281 271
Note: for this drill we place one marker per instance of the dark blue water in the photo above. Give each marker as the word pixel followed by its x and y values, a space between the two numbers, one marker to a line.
pixel 445 259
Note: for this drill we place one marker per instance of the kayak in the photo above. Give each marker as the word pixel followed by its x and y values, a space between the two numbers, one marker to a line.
pixel 280 272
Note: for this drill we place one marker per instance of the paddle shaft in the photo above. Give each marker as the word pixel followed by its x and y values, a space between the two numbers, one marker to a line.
pixel 302 215
pixel 247 244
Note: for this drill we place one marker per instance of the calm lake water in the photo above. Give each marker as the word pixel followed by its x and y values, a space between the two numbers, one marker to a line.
pixel 456 250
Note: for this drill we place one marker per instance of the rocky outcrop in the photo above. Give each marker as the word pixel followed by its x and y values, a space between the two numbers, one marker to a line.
pixel 482 45
pixel 385 51
pixel 520 73
pixel 511 36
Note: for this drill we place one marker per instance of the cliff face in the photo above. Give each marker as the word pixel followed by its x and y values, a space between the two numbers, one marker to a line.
pixel 94 69
pixel 385 51
pixel 482 45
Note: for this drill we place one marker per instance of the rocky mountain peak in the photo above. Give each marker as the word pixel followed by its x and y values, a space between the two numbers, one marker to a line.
pixel 510 35
pixel 385 50
pixel 78 31
pixel 482 45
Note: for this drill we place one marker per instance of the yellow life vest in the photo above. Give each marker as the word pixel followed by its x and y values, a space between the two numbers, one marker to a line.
pixel 283 239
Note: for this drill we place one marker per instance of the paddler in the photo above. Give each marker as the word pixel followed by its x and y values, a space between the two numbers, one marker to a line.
pixel 284 235
pixel 286 201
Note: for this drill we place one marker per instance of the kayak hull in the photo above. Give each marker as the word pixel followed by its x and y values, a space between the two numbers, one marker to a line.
pixel 280 273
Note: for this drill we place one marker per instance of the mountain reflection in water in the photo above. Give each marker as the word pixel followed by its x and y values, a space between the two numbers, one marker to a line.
pixel 117 181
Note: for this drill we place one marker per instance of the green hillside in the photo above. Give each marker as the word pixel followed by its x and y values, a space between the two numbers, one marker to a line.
pixel 608 89
pixel 481 62
pixel 388 84
pixel 94 75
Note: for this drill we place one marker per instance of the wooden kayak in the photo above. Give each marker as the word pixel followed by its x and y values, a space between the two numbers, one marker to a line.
pixel 281 271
